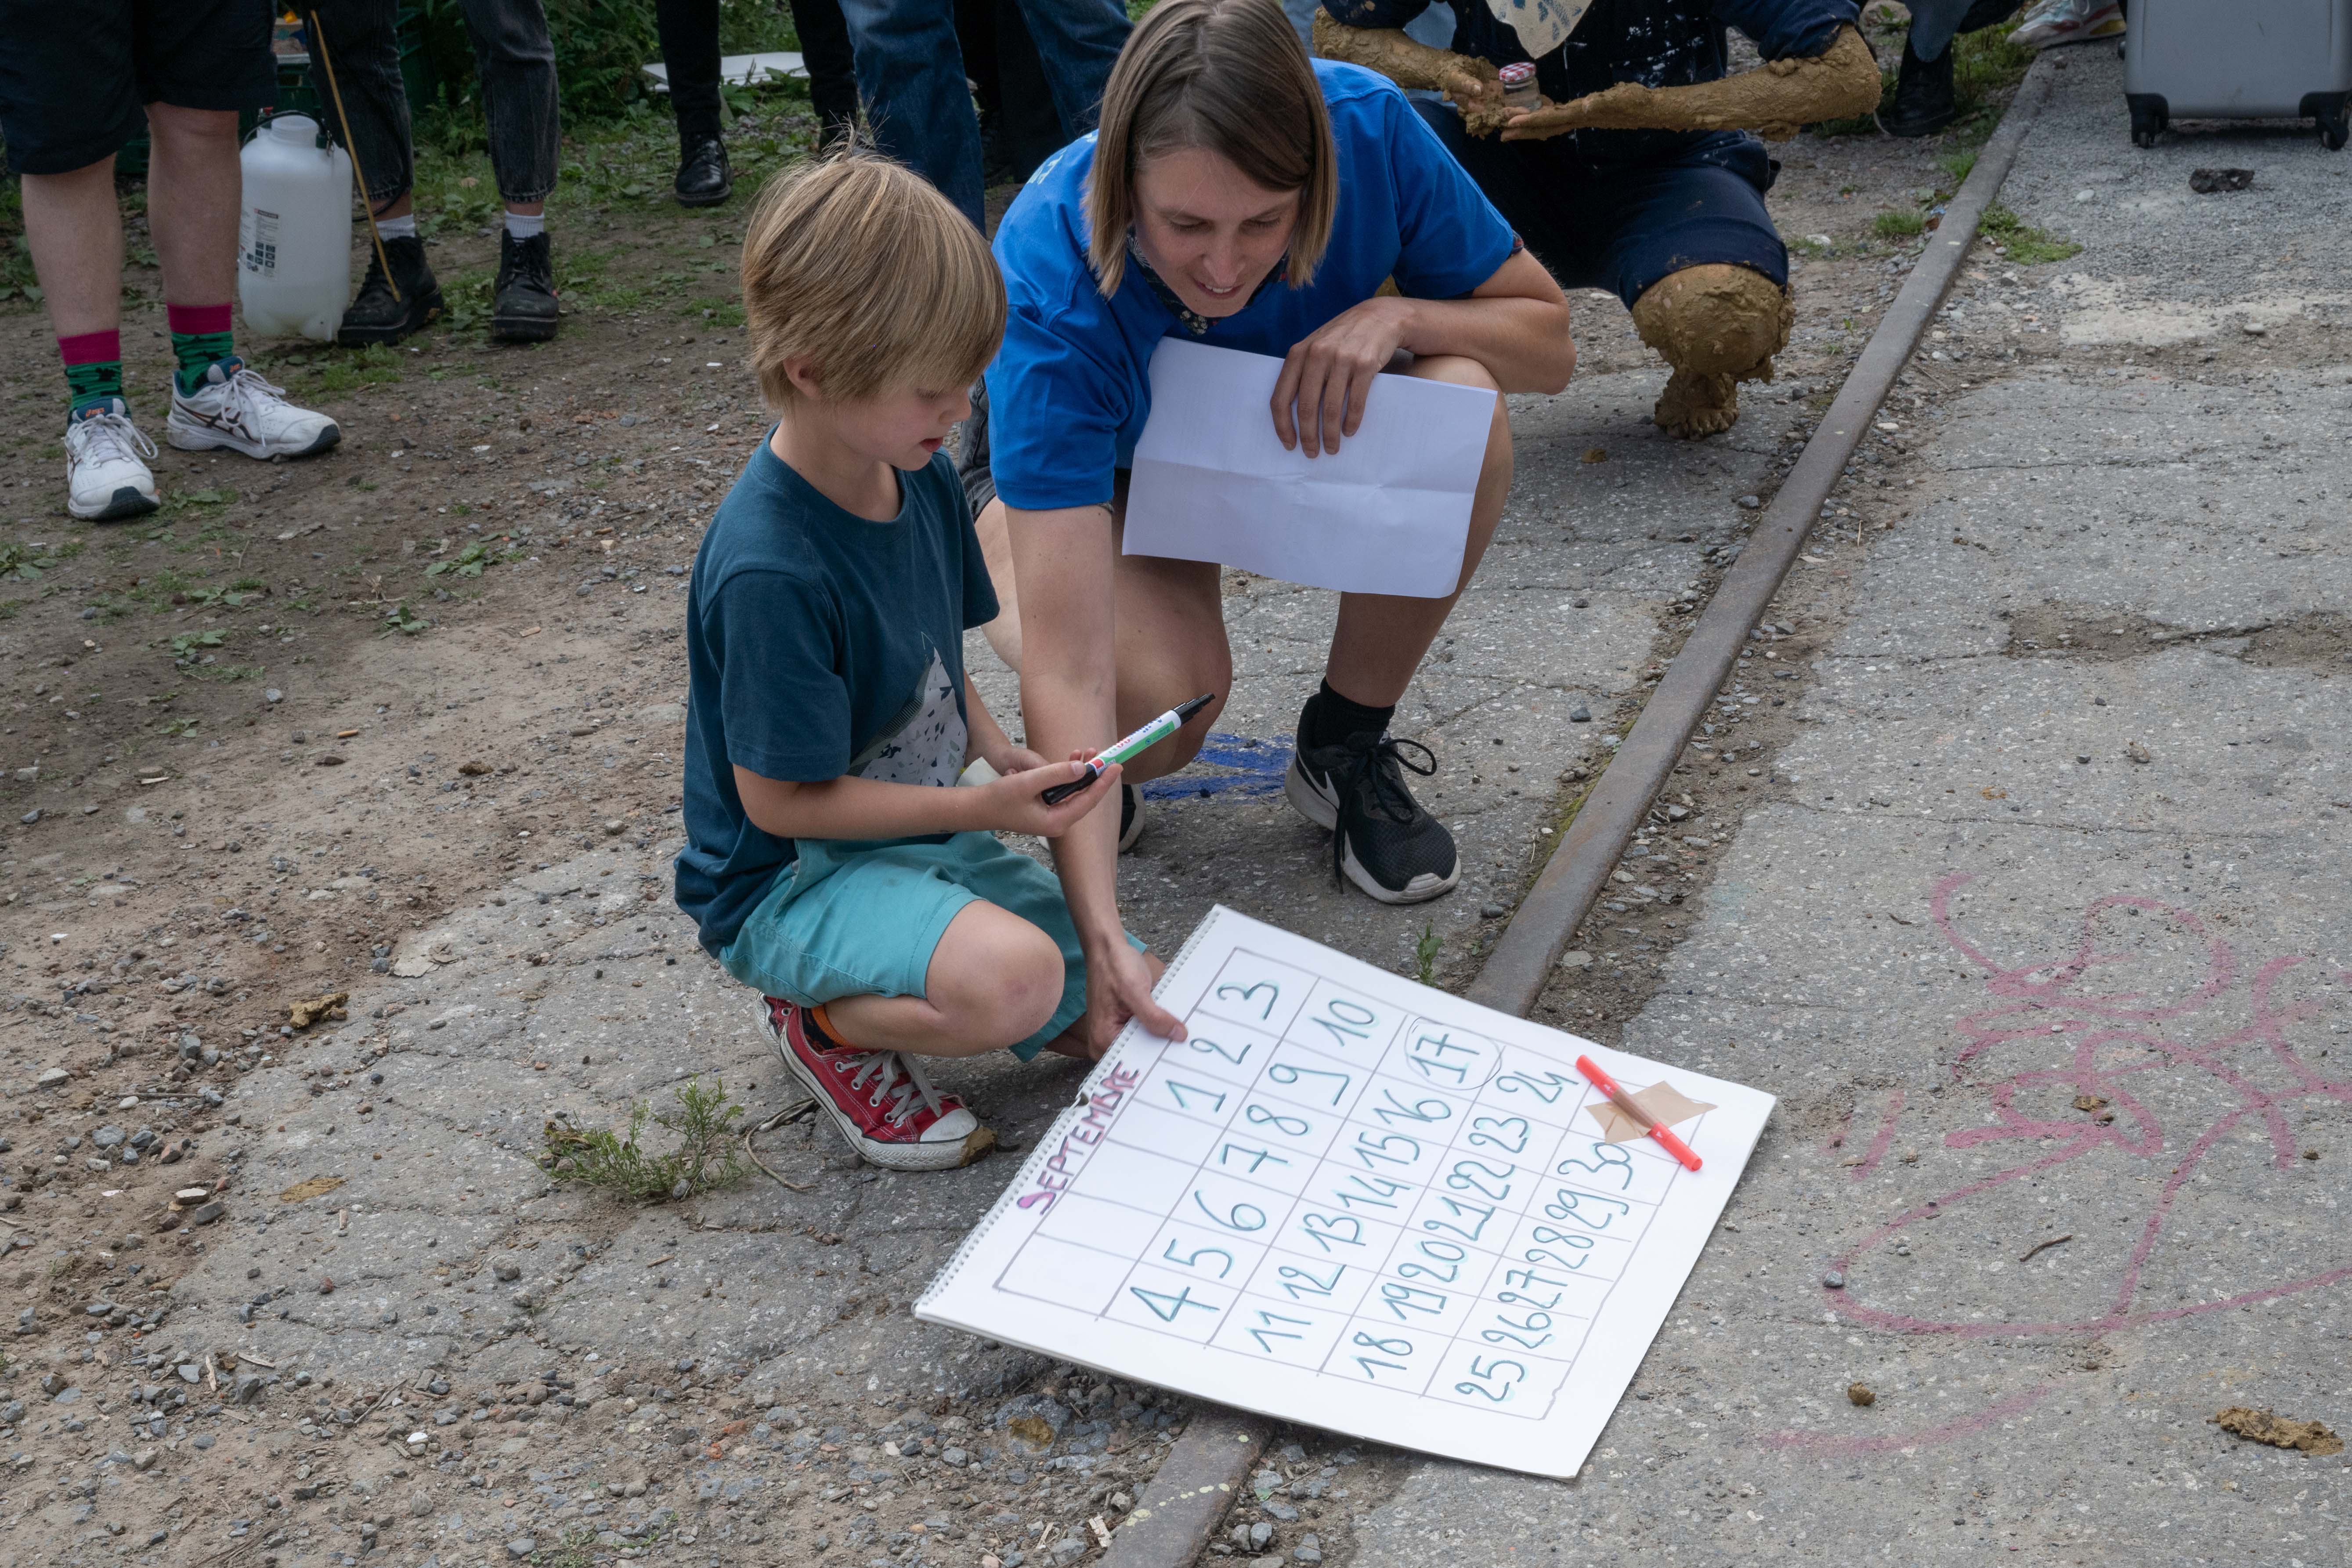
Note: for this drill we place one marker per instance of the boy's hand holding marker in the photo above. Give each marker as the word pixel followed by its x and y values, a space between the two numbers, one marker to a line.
pixel 1013 803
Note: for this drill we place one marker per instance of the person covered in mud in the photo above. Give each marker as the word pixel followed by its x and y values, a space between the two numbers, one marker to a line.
pixel 1629 164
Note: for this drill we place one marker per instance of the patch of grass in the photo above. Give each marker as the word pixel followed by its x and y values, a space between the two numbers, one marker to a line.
pixel 1958 165
pixel 709 1153
pixel 719 310
pixel 374 365
pixel 1899 225
pixel 2021 242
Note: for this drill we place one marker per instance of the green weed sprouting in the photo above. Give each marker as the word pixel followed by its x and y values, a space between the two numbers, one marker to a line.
pixel 709 1153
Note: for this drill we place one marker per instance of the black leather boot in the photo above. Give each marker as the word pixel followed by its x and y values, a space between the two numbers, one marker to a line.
pixel 1923 102
pixel 703 177
pixel 524 309
pixel 375 316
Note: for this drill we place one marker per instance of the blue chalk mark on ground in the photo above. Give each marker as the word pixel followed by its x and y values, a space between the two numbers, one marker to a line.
pixel 1246 767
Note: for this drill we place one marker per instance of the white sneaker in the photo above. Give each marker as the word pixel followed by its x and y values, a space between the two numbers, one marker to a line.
pixel 236 409
pixel 106 472
pixel 2070 22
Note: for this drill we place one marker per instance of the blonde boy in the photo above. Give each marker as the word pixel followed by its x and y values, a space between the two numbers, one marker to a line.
pixel 830 862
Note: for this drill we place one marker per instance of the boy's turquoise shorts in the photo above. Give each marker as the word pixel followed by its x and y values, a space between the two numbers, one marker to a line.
pixel 862 919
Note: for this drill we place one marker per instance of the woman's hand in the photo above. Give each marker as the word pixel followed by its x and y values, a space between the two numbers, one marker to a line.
pixel 1327 377
pixel 1119 987
pixel 1016 803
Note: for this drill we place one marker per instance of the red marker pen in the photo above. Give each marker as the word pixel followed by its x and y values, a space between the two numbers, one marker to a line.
pixel 1642 1119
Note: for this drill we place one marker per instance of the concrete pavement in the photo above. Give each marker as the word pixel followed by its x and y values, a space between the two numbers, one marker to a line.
pixel 2043 943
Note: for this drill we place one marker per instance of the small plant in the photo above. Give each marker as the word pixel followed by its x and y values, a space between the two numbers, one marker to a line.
pixel 187 645
pixel 399 619
pixel 25 563
pixel 576 1550
pixel 2021 242
pixel 210 496
pixel 1899 225
pixel 1425 954
pixel 1958 165
pixel 468 562
pixel 374 365
pixel 708 1156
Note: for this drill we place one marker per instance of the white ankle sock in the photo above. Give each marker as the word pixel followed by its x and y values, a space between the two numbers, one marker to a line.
pixel 523 227
pixel 401 228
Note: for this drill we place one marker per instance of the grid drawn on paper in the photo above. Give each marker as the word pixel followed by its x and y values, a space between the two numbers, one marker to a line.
pixel 1318 1177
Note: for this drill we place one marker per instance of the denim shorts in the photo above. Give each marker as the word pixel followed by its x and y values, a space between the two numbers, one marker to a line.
pixel 863 919
pixel 75 77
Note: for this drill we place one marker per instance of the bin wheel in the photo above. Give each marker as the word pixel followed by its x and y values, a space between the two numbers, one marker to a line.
pixel 2333 132
pixel 2149 116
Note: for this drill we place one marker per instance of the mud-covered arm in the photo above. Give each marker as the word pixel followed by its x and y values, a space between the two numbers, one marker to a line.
pixel 1775 101
pixel 1471 85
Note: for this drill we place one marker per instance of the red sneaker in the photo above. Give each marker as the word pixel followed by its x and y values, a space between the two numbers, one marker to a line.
pixel 880 1100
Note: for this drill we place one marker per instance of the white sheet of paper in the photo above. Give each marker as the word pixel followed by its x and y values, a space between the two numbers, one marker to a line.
pixel 1354 1201
pixel 1388 513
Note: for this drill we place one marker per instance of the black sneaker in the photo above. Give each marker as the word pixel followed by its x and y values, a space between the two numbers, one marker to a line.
pixel 1381 840
pixel 524 309
pixel 1131 816
pixel 703 178
pixel 1924 102
pixel 378 315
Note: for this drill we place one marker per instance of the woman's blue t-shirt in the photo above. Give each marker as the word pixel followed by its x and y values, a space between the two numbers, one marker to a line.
pixel 1068 395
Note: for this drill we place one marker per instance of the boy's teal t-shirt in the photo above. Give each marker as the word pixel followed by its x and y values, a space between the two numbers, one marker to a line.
pixel 1068 393
pixel 818 644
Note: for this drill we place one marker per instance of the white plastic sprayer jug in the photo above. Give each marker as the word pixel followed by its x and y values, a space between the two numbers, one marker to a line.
pixel 294 236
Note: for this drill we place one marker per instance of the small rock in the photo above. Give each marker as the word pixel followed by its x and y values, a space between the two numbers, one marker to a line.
pixel 108 1136
pixel 1860 1394
pixel 53 1078
pixel 145 1460
pixel 1492 911
pixel 202 1440
pixel 505 1271
pixel 1749 503
pixel 2139 753
pixel 521 1547
pixel 207 1213
pixel 1579 715
pixel 1308 1550
pixel 1576 958
pixel 1260 1534
pixel 1834 1279
pixel 273 695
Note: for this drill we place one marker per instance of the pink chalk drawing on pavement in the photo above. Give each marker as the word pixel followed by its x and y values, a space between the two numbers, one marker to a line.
pixel 2107 1045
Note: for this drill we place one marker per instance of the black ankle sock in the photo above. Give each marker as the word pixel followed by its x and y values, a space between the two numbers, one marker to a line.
pixel 1334 718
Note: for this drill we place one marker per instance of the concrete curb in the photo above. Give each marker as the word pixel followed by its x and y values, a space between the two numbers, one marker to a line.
pixel 1189 1495
pixel 1516 972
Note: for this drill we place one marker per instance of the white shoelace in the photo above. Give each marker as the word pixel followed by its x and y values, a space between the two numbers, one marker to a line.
pixel 887 1069
pixel 247 388
pixel 108 437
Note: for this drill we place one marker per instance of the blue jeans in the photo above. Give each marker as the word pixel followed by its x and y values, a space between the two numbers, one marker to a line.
pixel 1934 23
pixel 910 74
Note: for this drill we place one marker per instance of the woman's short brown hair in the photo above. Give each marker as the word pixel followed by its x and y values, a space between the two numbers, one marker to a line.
pixel 1228 76
pixel 856 263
